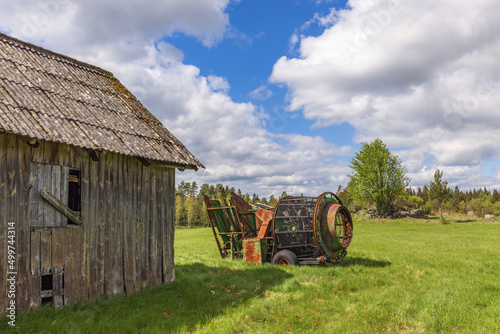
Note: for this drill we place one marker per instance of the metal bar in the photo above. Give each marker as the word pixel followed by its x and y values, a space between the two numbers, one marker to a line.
pixel 301 204
pixel 296 199
pixel 221 207
pixel 297 246
pixel 292 232
pixel 211 219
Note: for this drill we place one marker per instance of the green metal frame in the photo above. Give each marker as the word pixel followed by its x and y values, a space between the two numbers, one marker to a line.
pixel 226 227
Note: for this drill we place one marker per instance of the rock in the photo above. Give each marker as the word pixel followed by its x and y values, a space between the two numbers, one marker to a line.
pixel 490 217
pixel 471 214
pixel 403 214
pixel 417 213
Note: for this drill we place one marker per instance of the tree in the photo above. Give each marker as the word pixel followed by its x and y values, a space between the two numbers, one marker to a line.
pixel 377 176
pixel 179 210
pixel 425 193
pixel 272 201
pixel 192 211
pixel 438 190
pixel 495 197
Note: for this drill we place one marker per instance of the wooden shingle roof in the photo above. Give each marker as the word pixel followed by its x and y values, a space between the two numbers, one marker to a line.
pixel 51 97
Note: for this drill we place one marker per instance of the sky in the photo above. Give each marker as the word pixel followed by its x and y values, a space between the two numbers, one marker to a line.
pixel 278 95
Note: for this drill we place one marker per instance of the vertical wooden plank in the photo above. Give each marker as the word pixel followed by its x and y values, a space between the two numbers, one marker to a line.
pixel 3 221
pixel 75 237
pixel 68 271
pixel 144 232
pixel 164 223
pixel 63 156
pixel 72 282
pixel 13 193
pixel 57 288
pixel 86 240
pixel 45 251
pixel 159 224
pixel 43 207
pixel 128 219
pixel 170 225
pixel 93 227
pixel 58 236
pixel 51 155
pixel 23 238
pixel 33 193
pixel 37 153
pixel 153 221
pixel 58 239
pixel 119 165
pixel 138 241
pixel 35 300
pixel 101 219
pixel 64 189
pixel 76 240
pixel 132 237
pixel 109 202
pixel 74 157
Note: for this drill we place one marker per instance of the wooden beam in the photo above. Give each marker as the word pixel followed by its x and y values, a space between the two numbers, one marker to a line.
pixel 61 207
pixel 92 154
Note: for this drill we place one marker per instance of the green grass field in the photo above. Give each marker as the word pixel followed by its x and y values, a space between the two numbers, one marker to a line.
pixel 400 276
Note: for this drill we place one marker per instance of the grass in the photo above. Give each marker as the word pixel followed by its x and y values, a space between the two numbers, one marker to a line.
pixel 400 276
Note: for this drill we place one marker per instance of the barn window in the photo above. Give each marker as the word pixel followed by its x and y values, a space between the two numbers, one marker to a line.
pixel 74 191
pixel 55 195
pixel 47 288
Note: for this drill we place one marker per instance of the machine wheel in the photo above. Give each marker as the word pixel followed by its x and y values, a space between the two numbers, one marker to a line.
pixel 285 258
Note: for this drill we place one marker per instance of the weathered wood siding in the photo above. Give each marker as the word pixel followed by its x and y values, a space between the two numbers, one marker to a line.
pixel 125 241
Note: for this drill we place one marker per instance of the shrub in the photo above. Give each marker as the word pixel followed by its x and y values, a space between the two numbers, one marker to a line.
pixel 416 202
pixel 427 208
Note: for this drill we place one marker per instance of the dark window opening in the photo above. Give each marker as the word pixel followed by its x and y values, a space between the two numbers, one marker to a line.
pixel 47 289
pixel 74 191
pixel 47 282
pixel 46 300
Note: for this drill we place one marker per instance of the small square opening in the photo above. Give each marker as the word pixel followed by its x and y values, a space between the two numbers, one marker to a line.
pixel 47 282
pixel 46 300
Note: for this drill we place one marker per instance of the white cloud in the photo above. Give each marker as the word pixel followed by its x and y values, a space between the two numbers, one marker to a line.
pixel 96 21
pixel 229 138
pixel 218 83
pixel 422 75
pixel 261 93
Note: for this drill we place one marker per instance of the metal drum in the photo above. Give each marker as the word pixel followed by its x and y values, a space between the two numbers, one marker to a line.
pixel 311 228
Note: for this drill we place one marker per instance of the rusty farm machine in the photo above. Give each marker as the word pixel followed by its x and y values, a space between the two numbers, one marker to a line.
pixel 298 230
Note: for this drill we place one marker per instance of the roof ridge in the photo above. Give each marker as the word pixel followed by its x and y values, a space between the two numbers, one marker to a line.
pixel 57 56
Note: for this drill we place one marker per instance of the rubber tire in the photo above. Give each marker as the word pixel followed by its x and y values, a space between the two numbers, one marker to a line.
pixel 285 258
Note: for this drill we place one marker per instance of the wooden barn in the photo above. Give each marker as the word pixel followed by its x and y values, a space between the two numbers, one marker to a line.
pixel 86 183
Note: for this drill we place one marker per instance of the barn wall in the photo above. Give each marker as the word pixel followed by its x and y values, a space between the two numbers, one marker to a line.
pixel 125 241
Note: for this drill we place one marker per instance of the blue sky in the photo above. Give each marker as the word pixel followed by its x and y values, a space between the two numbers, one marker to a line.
pixel 278 95
pixel 258 38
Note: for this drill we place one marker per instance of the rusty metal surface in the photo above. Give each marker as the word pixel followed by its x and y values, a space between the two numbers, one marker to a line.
pixel 51 97
pixel 263 220
pixel 335 229
pixel 253 249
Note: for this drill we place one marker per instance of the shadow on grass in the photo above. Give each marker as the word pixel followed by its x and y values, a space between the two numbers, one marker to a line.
pixel 361 261
pixel 199 294
pixel 427 218
pixel 459 221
